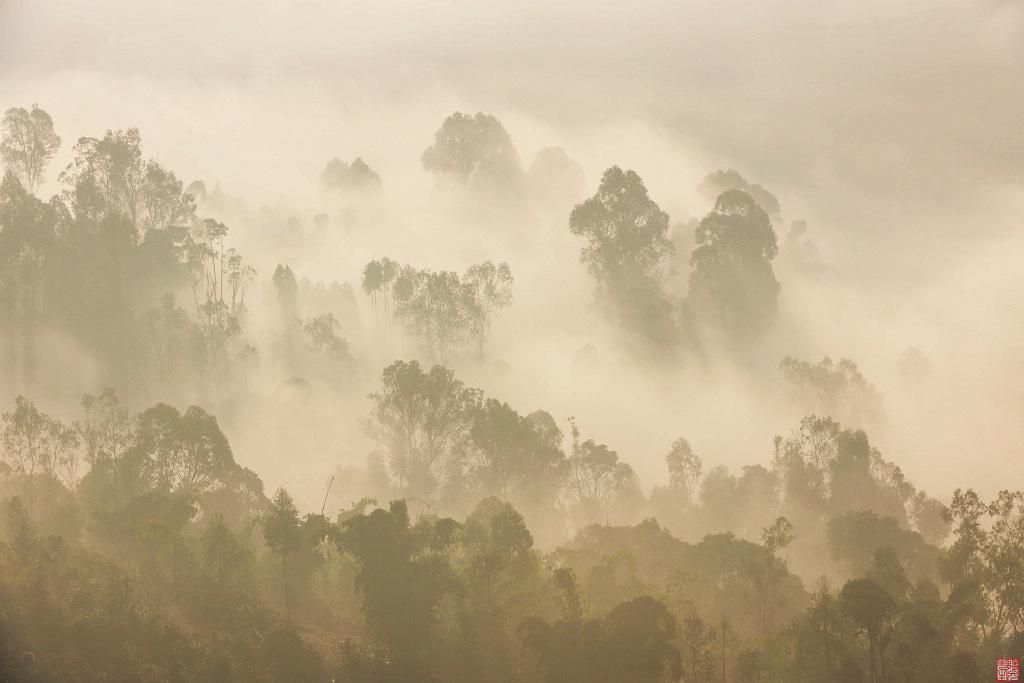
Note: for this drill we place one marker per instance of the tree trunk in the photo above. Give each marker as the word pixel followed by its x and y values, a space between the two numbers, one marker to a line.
pixel 284 576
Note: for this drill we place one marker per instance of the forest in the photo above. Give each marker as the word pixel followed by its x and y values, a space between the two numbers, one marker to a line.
pixel 462 397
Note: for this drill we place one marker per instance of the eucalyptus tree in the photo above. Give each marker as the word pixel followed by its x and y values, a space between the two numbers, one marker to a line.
pixel 422 420
pixel 627 244
pixel 29 234
pixel 438 311
pixel 684 467
pixel 474 149
pixel 33 445
pixel 732 285
pixel 282 533
pixel 488 290
pixel 28 143
pixel 373 282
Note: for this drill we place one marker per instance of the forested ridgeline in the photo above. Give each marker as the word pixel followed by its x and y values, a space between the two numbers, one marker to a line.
pixel 481 542
pixel 136 548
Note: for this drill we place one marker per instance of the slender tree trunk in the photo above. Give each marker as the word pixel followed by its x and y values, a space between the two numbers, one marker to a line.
pixel 723 650
pixel 284 576
pixel 871 651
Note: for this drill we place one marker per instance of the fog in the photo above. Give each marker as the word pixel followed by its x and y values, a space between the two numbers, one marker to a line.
pixel 844 190
pixel 892 130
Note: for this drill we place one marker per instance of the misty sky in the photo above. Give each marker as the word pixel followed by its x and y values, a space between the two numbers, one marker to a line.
pixel 894 129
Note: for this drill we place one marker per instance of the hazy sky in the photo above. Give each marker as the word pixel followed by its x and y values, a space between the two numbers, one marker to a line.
pixel 894 128
pixel 879 117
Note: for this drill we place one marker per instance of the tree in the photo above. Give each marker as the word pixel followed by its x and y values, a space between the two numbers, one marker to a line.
pixel 389 270
pixel 219 282
pixel 597 478
pixel 341 176
pixel 28 236
pixel 732 285
pixel 871 608
pixel 181 452
pixel 373 281
pixel 856 535
pixel 165 203
pixel 474 149
pixel 107 434
pixel 402 575
pixel 640 642
pixel 626 232
pixel 322 339
pixel 422 420
pixel 633 643
pixel 684 467
pixel 774 539
pixel 107 178
pixel 627 243
pixel 888 572
pixel 437 311
pixel 838 390
pixel 168 328
pixel 516 455
pixel 281 532
pixel 717 182
pixel 35 444
pixel 27 144
pixel 489 289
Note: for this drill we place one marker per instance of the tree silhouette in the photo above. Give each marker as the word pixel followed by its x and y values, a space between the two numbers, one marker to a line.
pixel 27 144
pixel 871 608
pixel 281 530
pixel 489 289
pixel 627 242
pixel 732 285
pixel 474 149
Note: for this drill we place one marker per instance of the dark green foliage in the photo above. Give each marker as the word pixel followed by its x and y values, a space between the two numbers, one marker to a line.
pixel 634 642
pixel 402 577
pixel 856 536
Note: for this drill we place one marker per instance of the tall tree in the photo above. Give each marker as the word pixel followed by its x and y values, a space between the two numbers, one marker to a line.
pixel 422 419
pixel 403 575
pixel 474 149
pixel 596 478
pixel 373 282
pixel 28 237
pixel 27 144
pixel 774 538
pixel 732 285
pixel 627 243
pixel 107 433
pixel 437 311
pixel 684 467
pixel 517 456
pixel 489 289
pixel 626 232
pixel 282 532
pixel 181 452
pixel 34 445
pixel 871 608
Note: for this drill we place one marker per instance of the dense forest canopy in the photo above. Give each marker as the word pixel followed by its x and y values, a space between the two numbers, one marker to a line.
pixel 555 385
